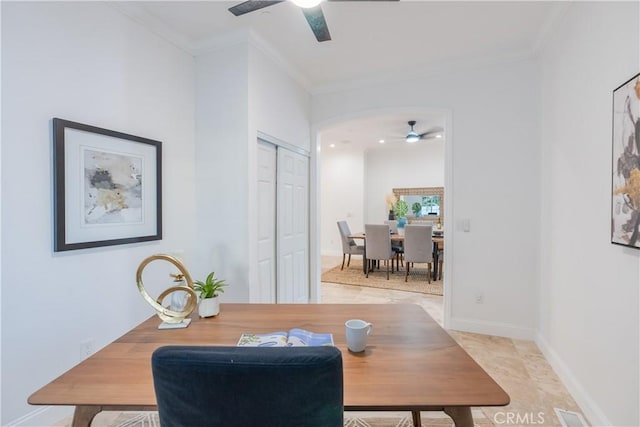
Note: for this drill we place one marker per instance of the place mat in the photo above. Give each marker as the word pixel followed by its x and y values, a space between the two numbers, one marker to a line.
pixel 353 275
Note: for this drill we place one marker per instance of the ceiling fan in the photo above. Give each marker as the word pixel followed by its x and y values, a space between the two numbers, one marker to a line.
pixel 414 136
pixel 310 8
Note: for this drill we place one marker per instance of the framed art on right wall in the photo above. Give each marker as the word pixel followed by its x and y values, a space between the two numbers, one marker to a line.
pixel 625 176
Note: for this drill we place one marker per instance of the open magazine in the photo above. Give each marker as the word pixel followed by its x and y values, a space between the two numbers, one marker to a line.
pixel 293 338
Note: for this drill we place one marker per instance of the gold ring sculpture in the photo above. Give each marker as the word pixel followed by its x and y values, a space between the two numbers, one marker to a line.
pixel 166 314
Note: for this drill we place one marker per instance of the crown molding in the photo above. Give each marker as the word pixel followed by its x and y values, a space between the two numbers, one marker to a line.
pixel 210 44
pixel 153 24
pixel 550 25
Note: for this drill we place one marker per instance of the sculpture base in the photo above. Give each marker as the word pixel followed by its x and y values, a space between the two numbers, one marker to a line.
pixel 179 325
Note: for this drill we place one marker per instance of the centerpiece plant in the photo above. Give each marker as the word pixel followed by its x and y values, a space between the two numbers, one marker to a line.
pixel 400 209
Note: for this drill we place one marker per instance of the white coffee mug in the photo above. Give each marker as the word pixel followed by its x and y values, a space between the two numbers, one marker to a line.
pixel 357 332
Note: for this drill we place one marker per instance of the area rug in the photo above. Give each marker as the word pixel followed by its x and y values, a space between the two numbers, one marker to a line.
pixel 353 275
pixel 150 419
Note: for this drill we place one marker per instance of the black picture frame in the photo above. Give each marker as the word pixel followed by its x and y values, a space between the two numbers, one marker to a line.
pixel 107 187
pixel 625 172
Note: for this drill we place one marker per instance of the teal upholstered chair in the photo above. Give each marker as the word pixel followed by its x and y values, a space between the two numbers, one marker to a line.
pixel 248 386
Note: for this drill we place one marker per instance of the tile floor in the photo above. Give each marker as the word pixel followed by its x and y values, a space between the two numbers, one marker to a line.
pixel 517 365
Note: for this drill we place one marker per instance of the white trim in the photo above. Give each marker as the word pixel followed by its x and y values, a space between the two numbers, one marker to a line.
pixel 448 279
pixel 42 416
pixel 314 223
pixel 280 143
pixel 252 38
pixel 153 24
pixel 315 259
pixel 498 329
pixel 549 26
pixel 588 405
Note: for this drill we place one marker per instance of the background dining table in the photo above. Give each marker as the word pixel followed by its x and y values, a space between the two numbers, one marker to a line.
pixel 438 243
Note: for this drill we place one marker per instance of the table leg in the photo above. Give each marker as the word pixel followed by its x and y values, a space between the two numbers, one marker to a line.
pixel 83 415
pixel 435 261
pixel 417 422
pixel 461 415
pixel 364 259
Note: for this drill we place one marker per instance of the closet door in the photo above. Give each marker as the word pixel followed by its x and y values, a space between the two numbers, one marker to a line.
pixel 266 290
pixel 292 227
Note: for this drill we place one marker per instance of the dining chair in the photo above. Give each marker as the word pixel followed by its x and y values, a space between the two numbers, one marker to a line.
pixel 248 386
pixel 418 247
pixel 440 251
pixel 393 226
pixel 396 246
pixel 378 245
pixel 349 246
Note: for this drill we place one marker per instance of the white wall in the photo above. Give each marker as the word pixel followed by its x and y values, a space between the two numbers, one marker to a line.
pixel 221 168
pixel 240 91
pixel 495 159
pixel 416 165
pixel 342 195
pixel 280 107
pixel 589 287
pixel 83 62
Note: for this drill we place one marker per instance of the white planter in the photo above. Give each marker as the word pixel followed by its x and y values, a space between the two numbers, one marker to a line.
pixel 209 307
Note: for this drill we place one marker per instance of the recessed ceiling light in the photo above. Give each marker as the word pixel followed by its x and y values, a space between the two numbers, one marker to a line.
pixel 438 136
pixel 381 141
pixel 332 145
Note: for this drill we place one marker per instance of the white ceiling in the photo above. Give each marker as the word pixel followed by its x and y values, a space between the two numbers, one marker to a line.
pixel 367 132
pixel 370 39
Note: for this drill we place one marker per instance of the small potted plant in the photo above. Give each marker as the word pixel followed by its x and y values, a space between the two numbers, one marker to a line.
pixel 209 291
pixel 400 209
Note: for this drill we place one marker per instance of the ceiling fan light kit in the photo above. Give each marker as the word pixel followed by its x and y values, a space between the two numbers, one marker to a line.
pixel 414 136
pixel 305 4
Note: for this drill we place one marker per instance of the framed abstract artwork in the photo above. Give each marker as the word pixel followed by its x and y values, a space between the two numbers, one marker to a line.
pixel 625 182
pixel 107 187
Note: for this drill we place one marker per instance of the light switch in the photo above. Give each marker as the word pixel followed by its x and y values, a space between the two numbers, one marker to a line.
pixel 466 225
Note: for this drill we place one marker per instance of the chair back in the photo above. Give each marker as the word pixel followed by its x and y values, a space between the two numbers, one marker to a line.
pixel 378 241
pixel 345 232
pixel 393 226
pixel 248 386
pixel 418 244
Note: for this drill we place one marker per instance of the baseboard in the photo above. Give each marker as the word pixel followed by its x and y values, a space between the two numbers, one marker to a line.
pixel 43 416
pixel 589 408
pixel 491 328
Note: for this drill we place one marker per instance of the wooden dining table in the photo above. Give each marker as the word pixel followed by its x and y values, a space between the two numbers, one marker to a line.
pixel 409 364
pixel 438 243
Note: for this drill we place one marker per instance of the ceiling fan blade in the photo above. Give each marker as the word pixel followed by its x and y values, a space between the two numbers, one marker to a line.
pixel 251 5
pixel 318 24
pixel 431 133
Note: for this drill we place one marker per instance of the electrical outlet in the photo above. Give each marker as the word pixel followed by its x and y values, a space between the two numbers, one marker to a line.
pixel 479 298
pixel 87 348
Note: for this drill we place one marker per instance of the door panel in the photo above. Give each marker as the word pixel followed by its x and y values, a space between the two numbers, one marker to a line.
pixel 266 224
pixel 293 227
